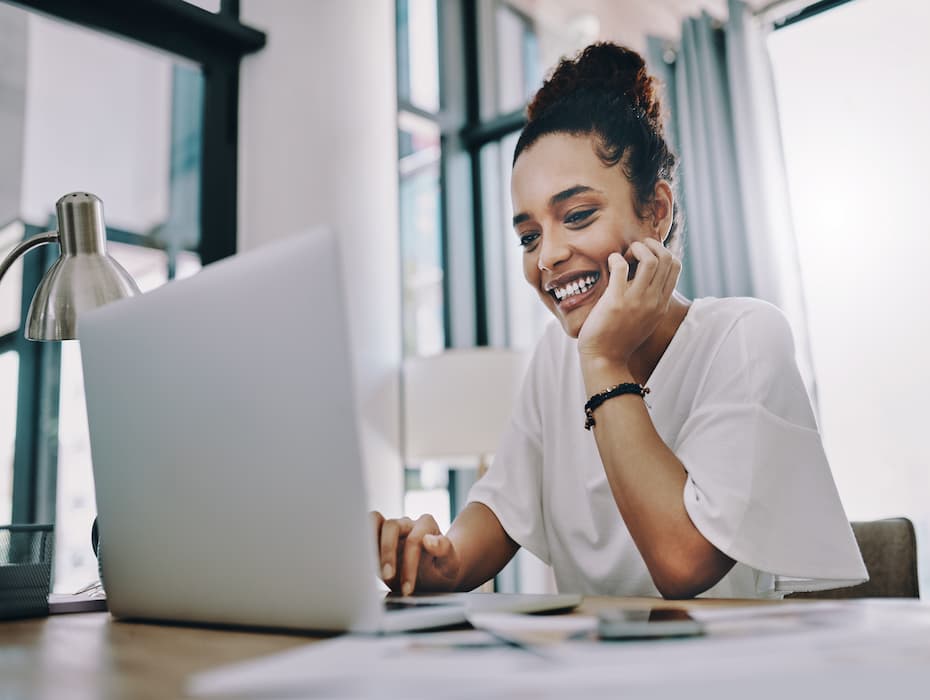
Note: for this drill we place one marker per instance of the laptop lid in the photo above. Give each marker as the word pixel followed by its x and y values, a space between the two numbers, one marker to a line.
pixel 226 461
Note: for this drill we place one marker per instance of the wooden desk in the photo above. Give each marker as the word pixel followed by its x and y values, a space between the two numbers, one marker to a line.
pixel 91 655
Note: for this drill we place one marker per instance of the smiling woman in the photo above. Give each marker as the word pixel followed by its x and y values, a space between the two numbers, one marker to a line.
pixel 706 473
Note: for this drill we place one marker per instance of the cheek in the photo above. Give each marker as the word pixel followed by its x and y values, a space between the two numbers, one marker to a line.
pixel 530 269
pixel 532 275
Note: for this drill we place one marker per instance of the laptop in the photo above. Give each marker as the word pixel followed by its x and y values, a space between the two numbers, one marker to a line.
pixel 227 466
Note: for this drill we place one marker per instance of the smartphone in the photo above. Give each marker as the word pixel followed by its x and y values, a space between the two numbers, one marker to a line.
pixel 632 270
pixel 647 624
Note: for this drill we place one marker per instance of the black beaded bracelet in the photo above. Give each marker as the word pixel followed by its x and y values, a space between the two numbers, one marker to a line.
pixel 598 399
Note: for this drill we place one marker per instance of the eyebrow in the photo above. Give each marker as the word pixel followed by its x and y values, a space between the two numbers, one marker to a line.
pixel 556 199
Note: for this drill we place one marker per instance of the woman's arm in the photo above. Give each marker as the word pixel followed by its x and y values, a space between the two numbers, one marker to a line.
pixel 415 555
pixel 647 481
pixel 646 478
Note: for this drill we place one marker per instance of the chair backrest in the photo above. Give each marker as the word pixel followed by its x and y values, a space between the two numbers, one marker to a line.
pixel 889 549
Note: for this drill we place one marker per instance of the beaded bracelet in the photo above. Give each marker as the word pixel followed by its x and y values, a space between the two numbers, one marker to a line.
pixel 598 399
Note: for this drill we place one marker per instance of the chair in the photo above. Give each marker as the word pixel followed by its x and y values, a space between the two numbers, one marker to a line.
pixel 889 549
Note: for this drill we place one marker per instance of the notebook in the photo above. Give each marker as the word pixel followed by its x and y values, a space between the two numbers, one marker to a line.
pixel 227 466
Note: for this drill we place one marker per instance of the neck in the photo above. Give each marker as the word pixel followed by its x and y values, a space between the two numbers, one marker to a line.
pixel 647 356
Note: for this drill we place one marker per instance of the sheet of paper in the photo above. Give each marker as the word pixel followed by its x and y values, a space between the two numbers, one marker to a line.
pixel 848 651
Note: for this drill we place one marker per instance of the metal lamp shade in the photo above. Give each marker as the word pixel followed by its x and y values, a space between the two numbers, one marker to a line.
pixel 74 284
pixel 83 278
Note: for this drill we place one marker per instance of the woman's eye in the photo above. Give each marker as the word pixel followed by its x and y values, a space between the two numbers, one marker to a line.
pixel 528 238
pixel 577 217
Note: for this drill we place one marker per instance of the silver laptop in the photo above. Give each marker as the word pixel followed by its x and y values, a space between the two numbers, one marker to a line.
pixel 226 461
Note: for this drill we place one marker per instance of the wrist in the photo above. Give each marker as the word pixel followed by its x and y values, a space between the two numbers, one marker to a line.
pixel 600 373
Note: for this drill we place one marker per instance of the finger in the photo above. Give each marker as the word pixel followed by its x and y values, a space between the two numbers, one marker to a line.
pixel 425 525
pixel 391 532
pixel 444 554
pixel 646 267
pixel 664 269
pixel 618 268
pixel 672 280
pixel 377 520
pixel 437 546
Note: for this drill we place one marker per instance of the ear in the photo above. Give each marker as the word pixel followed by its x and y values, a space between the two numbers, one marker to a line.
pixel 663 209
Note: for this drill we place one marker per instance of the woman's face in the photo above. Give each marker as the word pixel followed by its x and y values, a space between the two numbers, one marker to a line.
pixel 571 212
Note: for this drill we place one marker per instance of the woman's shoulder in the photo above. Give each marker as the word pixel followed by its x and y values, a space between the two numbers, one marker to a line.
pixel 729 310
pixel 745 331
pixel 753 319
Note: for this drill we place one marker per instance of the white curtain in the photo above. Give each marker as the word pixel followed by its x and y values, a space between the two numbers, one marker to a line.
pixel 724 123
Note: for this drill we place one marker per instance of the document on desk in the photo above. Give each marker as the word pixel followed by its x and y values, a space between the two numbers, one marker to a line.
pixel 858 650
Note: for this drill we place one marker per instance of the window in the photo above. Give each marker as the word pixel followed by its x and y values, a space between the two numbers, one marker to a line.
pixel 856 145
pixel 421 235
pixel 148 177
pixel 149 126
pixel 518 71
pixel 420 154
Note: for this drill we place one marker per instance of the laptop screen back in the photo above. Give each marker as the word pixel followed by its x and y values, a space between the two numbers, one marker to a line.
pixel 226 461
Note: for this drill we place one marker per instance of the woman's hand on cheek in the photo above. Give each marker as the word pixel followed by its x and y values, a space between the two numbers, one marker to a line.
pixel 629 311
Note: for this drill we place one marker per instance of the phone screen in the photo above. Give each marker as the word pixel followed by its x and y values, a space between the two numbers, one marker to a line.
pixel 647 624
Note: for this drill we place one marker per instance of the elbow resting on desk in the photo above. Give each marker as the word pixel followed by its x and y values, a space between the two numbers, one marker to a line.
pixel 679 575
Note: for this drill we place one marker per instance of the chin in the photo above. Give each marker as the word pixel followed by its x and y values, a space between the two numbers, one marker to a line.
pixel 572 324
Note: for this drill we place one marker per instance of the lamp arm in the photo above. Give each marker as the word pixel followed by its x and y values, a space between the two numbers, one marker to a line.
pixel 28 244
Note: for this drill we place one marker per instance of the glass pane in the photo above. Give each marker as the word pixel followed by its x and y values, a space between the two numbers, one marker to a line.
pixel 11 287
pixel 100 117
pixel 516 315
pixel 9 381
pixel 421 236
pixel 426 490
pixel 418 53
pixel 518 69
pixel 75 565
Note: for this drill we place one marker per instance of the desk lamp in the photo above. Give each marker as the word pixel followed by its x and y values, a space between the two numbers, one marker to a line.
pixel 457 403
pixel 83 278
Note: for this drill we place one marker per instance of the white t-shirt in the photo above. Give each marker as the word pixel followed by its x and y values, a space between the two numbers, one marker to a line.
pixel 728 399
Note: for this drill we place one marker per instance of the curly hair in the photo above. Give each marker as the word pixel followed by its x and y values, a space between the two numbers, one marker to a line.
pixel 605 92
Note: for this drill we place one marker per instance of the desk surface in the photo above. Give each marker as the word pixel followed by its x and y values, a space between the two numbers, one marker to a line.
pixel 91 655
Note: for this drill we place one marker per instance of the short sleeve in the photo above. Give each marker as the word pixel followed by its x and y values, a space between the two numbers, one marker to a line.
pixel 511 489
pixel 512 486
pixel 759 485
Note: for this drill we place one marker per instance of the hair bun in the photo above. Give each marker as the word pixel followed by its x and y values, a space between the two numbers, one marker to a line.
pixel 603 67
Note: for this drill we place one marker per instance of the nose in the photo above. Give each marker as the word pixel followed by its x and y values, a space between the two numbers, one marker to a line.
pixel 553 250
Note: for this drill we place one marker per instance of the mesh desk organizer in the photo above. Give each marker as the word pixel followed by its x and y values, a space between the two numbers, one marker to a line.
pixel 25 570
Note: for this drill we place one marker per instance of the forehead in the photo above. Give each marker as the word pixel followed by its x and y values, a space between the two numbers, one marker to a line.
pixel 556 162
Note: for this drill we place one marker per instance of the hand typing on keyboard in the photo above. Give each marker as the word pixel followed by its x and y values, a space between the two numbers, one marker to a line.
pixel 415 555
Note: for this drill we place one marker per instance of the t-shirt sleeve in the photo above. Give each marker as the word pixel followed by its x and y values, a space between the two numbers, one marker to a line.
pixel 512 486
pixel 759 486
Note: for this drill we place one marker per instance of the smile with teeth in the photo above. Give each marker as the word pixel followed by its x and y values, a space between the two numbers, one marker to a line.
pixel 578 286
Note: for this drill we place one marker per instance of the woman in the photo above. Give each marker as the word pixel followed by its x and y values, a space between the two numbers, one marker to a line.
pixel 696 465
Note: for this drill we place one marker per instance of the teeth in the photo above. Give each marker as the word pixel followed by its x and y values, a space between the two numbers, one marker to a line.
pixel 575 287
